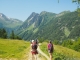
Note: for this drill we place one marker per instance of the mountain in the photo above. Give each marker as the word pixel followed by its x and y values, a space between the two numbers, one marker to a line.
pixel 66 26
pixel 33 23
pixel 47 25
pixel 9 23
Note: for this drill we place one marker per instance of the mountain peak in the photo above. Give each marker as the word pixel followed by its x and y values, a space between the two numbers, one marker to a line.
pixel 62 13
pixel 43 12
pixel 33 14
pixel 65 12
pixel 2 15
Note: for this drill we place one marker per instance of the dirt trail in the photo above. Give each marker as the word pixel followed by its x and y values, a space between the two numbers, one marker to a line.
pixel 28 56
pixel 40 56
pixel 42 53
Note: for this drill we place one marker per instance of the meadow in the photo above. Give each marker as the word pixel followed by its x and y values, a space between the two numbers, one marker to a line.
pixel 61 53
pixel 13 48
pixel 20 49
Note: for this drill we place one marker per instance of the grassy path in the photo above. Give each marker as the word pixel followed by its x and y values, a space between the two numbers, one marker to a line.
pixel 43 53
pixel 16 50
pixel 40 55
pixel 61 53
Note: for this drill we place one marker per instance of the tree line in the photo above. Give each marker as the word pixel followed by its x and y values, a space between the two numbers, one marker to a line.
pixel 4 34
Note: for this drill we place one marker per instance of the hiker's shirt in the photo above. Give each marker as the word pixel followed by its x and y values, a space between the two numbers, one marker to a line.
pixel 50 48
pixel 34 47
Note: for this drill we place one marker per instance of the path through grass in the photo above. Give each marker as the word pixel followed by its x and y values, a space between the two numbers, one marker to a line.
pixel 61 52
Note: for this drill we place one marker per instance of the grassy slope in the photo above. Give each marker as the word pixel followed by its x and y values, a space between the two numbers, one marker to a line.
pixel 15 50
pixel 12 48
pixel 61 52
pixel 29 28
pixel 66 32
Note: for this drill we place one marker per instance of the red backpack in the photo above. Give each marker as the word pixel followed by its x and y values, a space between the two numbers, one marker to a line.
pixel 50 47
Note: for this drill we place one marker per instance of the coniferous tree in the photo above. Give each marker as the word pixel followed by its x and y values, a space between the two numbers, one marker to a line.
pixel 4 33
pixel 12 36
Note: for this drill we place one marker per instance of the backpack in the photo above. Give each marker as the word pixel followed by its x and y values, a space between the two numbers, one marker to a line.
pixel 50 47
pixel 34 46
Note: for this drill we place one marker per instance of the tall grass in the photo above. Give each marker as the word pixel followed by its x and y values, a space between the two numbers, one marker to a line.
pixel 61 53
pixel 12 48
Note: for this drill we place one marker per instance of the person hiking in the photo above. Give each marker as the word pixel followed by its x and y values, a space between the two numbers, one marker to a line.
pixel 37 42
pixel 34 50
pixel 50 49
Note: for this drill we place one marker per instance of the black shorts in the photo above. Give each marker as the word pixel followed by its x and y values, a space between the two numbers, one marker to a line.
pixel 50 51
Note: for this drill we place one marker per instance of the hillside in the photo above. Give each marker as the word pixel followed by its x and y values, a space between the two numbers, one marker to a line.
pixel 12 48
pixel 61 53
pixel 47 25
pixel 9 23
pixel 34 22
pixel 66 26
pixel 16 50
pixel 20 50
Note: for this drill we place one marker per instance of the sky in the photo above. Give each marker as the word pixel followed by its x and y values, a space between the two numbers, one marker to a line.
pixel 21 9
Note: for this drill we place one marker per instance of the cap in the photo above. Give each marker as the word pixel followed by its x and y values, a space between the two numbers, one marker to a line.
pixel 32 40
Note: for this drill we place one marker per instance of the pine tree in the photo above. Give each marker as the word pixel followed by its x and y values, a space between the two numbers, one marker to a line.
pixel 4 33
pixel 12 36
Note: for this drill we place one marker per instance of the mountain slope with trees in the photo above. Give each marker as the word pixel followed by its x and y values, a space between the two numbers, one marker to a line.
pixel 33 23
pixel 58 27
pixel 47 25
pixel 9 23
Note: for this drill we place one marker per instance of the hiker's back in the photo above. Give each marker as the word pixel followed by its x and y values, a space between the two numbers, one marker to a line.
pixel 34 46
pixel 50 47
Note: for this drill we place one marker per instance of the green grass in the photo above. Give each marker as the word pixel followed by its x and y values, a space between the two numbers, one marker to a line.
pixel 35 30
pixel 61 52
pixel 31 27
pixel 12 48
pixel 43 47
pixel 66 31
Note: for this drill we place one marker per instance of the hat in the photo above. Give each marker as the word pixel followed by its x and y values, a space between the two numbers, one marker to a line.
pixel 32 40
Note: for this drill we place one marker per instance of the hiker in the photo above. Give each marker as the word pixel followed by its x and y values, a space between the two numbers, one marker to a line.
pixel 37 42
pixel 34 49
pixel 50 49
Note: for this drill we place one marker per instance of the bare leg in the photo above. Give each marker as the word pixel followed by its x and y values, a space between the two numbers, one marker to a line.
pixel 33 57
pixel 36 57
pixel 50 56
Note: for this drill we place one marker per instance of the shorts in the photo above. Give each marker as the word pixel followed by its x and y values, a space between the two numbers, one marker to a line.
pixel 50 51
pixel 34 52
